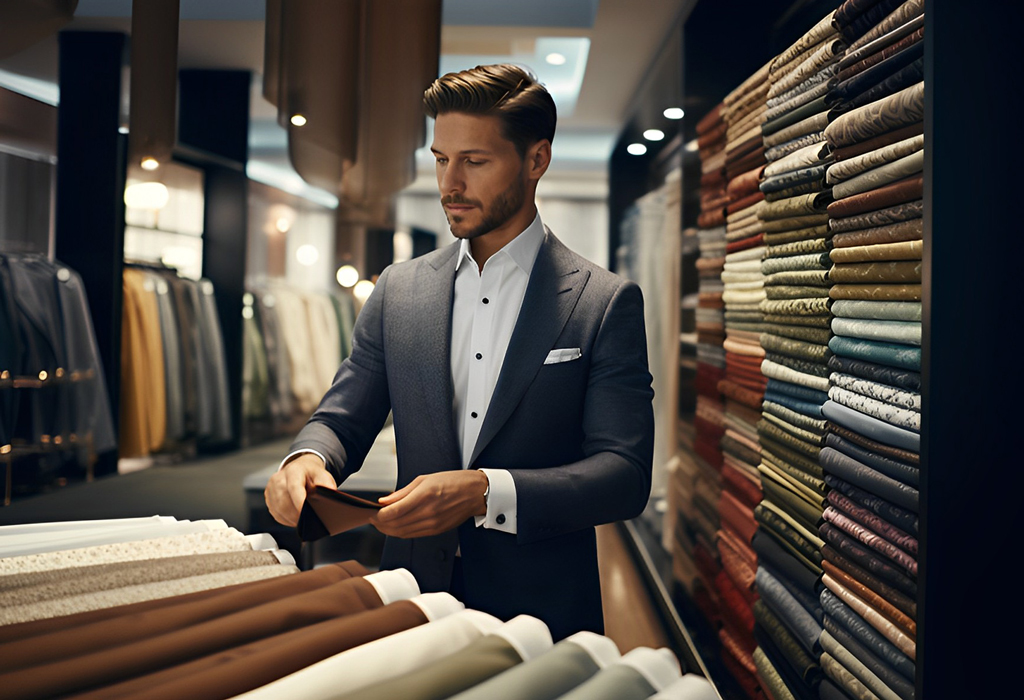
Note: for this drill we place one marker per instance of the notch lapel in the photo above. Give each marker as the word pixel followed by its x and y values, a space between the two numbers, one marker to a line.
pixel 554 288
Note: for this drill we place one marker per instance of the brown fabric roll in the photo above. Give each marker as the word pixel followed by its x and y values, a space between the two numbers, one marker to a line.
pixel 243 668
pixel 876 292
pixel 741 204
pixel 879 56
pixel 905 250
pixel 906 190
pixel 747 162
pixel 884 272
pixel 187 609
pixel 868 444
pixel 887 609
pixel 880 141
pixel 160 651
pixel 744 184
pixel 912 230
pixel 901 600
pixel 745 396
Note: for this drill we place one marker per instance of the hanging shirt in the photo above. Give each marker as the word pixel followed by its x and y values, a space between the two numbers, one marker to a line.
pixel 485 309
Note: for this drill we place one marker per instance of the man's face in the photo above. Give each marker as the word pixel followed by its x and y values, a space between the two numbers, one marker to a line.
pixel 480 175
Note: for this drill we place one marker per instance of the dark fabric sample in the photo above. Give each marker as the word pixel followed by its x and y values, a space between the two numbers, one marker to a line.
pixel 866 634
pixel 807 408
pixel 807 367
pixel 804 393
pixel 805 665
pixel 771 552
pixel 900 80
pixel 902 378
pixel 892 233
pixel 870 480
pixel 867 559
pixel 800 623
pixel 881 141
pixel 906 456
pixel 905 473
pixel 791 680
pixel 777 527
pixel 890 354
pixel 901 517
pixel 898 598
pixel 879 217
pixel 896 681
pixel 912 44
pixel 908 189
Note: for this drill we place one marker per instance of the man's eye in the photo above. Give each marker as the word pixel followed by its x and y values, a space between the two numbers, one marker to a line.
pixel 442 161
pixel 474 162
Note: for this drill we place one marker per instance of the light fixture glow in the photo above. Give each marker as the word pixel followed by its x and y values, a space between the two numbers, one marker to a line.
pixel 150 163
pixel 363 289
pixel 636 149
pixel 347 276
pixel 654 134
pixel 122 129
pixel 307 255
pixel 298 120
pixel 146 195
pixel 283 224
pixel 674 113
pixel 555 59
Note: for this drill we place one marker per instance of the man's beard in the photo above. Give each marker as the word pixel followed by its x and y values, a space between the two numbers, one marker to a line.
pixel 503 208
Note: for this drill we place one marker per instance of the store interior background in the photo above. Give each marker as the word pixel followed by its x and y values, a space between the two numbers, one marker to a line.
pixel 626 63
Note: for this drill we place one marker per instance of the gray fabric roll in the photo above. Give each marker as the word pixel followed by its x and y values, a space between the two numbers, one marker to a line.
pixel 882 175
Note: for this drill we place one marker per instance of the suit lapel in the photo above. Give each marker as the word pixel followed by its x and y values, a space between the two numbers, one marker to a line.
pixel 554 288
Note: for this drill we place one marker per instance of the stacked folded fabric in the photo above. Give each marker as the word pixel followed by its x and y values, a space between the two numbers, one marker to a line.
pixel 743 385
pixel 871 454
pixel 795 338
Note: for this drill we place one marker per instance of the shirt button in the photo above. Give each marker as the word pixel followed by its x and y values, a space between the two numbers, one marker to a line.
pixel 473 414
pixel 486 300
pixel 500 519
pixel 479 356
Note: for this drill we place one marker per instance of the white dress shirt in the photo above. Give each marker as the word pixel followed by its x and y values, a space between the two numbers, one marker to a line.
pixel 485 309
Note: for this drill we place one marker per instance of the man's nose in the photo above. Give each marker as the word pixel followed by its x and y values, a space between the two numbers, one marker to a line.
pixel 452 181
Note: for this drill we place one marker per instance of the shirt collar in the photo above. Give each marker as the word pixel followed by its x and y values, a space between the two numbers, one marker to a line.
pixel 522 249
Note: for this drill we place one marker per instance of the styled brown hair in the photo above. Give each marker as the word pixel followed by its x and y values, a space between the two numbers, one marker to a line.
pixel 507 91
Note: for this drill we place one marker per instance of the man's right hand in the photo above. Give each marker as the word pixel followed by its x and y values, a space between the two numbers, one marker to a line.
pixel 286 490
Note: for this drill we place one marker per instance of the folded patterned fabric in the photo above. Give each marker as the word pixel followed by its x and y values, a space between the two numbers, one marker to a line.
pixel 882 175
pixel 898 684
pixel 863 476
pixel 897 18
pixel 903 518
pixel 771 431
pixel 805 665
pixel 851 84
pixel 803 393
pixel 786 291
pixel 822 30
pixel 786 119
pixel 876 292
pixel 868 559
pixel 905 332
pixel 907 419
pixel 775 183
pixel 812 154
pixel 798 248
pixel 904 250
pixel 795 348
pixel 815 232
pixel 898 454
pixel 786 192
pixel 796 307
pixel 902 641
pixel 852 28
pixel 842 677
pixel 894 624
pixel 890 354
pixel 862 516
pixel 811 335
pixel 876 142
pixel 812 88
pixel 808 436
pixel 900 80
pixel 878 217
pixel 847 619
pixel 816 262
pixel 900 191
pixel 893 112
pixel 900 600
pixel 774 370
pixel 907 400
pixel 808 321
pixel 782 150
pixel 770 552
pixel 801 205
pixel 850 167
pixel 903 472
pixel 818 369
pixel 896 311
pixel 886 272
pixel 904 379
pixel 793 615
pixel 787 459
pixel 813 124
pixel 810 63
pixel 911 43
pixel 808 424
pixel 872 540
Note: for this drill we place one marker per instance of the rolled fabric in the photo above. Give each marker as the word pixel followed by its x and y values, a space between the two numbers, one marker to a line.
pixel 875 292
pixel 881 175
pixel 909 400
pixel 850 167
pixel 907 419
pixel 868 559
pixel 878 310
pixel 637 675
pixel 909 474
pixel 796 292
pixel 897 18
pixel 811 261
pixel 891 354
pixel 891 233
pixel 801 205
pixel 811 425
pixel 904 250
pixel 903 518
pixel 893 376
pixel 878 217
pixel 810 436
pixel 853 623
pixel 901 109
pixel 865 477
pixel 900 191
pixel 850 684
pixel 900 640
pixel 899 272
pixel 811 232
pixel 797 620
pixel 812 154
pixel 880 141
pixel 896 682
pixel 871 539
pixel 805 665
pixel 805 247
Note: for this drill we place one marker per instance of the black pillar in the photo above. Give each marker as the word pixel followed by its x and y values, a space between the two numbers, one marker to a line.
pixel 213 134
pixel 90 188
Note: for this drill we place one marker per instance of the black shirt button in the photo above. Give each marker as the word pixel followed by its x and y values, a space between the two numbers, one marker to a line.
pixel 479 356
pixel 500 519
pixel 486 300
pixel 473 414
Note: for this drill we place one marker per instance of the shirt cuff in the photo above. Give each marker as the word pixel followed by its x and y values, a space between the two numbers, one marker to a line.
pixel 658 666
pixel 393 585
pixel 296 453
pixel 501 502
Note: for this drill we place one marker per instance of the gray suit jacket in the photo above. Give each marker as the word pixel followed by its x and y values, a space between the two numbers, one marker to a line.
pixel 576 436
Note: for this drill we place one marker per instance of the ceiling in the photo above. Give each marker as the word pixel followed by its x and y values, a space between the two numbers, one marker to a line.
pixel 608 46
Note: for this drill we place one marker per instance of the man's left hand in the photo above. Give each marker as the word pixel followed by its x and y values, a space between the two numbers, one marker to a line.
pixel 432 504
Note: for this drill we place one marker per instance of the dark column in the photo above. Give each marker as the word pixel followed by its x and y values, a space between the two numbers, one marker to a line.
pixel 971 460
pixel 213 134
pixel 90 188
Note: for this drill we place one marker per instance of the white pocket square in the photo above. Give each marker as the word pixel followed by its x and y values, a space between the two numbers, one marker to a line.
pixel 562 355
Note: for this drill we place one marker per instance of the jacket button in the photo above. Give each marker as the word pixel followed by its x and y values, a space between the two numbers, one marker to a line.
pixel 500 519
pixel 440 555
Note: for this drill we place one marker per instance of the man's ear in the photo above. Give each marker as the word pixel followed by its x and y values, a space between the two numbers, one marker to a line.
pixel 538 158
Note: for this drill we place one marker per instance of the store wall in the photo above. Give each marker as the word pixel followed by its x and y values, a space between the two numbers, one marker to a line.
pixel 26 204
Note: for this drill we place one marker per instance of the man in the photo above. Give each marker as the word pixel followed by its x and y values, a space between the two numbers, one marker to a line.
pixel 516 373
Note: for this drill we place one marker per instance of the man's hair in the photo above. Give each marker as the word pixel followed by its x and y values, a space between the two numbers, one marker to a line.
pixel 506 91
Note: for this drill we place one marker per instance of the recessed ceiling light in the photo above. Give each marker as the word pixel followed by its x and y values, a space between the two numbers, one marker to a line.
pixel 298 120
pixel 347 276
pixel 555 59
pixel 122 129
pixel 636 149
pixel 654 134
pixel 363 289
pixel 307 254
pixel 150 164
pixel 674 113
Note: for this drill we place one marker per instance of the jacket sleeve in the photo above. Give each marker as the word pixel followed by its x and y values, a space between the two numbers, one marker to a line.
pixel 613 481
pixel 354 409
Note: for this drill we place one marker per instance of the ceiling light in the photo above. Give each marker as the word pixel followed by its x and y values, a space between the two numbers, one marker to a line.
pixel 150 164
pixel 146 195
pixel 636 149
pixel 122 129
pixel 283 224
pixel 347 276
pixel 363 290
pixel 307 255
pixel 298 120
pixel 654 134
pixel 674 113
pixel 692 146
pixel 555 59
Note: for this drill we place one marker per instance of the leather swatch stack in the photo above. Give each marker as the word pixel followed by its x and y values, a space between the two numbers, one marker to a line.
pixel 53 394
pixel 334 632
pixel 743 385
pixel 791 428
pixel 174 387
pixel 871 457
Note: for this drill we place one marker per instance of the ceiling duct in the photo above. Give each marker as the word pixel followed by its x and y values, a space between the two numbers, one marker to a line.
pixel 311 75
pixel 24 22
pixel 401 44
pixel 152 110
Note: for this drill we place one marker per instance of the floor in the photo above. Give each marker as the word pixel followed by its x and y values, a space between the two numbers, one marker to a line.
pixel 211 488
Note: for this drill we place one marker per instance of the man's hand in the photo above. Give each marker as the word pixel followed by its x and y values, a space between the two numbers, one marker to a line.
pixel 286 490
pixel 432 504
